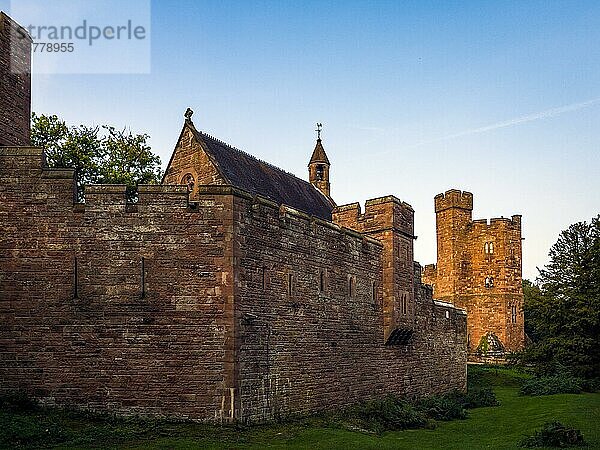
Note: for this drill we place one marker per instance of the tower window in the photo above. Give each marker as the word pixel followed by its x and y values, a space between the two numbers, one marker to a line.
pixel 488 248
pixel 320 172
pixel 351 286
pixel 290 284
pixel 489 282
pixel 513 314
pixel 405 303
pixel 322 281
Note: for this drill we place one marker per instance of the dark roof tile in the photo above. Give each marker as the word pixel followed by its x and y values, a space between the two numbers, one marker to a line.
pixel 250 174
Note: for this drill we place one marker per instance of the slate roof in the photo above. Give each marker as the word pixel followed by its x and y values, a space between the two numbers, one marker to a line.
pixel 250 174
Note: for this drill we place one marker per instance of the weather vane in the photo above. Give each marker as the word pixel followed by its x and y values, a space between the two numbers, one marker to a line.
pixel 189 113
pixel 318 130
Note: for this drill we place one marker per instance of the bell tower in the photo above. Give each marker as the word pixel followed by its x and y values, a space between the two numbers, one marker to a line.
pixel 318 167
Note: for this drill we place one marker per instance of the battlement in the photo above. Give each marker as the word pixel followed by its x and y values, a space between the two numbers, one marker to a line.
pixel 454 198
pixel 21 158
pixel 429 274
pixel 382 213
pixel 497 223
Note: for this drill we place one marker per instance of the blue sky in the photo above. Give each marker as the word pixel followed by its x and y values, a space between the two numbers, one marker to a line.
pixel 501 98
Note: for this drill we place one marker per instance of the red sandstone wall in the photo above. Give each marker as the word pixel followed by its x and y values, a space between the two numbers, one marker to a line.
pixel 315 350
pixel 15 84
pixel 169 352
pixel 463 265
pixel 186 348
pixel 391 222
pixel 190 158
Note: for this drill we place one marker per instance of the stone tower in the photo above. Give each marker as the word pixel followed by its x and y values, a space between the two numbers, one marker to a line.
pixel 479 269
pixel 318 169
pixel 15 83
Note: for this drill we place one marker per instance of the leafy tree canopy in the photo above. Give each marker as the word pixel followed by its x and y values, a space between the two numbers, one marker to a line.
pixel 100 155
pixel 562 309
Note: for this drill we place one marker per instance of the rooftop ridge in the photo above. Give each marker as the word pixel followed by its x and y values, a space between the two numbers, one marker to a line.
pixel 220 141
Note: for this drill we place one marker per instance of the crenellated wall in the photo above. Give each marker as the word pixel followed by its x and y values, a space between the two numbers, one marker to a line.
pixel 320 345
pixel 111 306
pixel 185 308
pixel 391 222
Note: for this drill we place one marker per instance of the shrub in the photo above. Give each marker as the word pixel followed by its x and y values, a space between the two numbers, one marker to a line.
pixel 561 383
pixel 478 398
pixel 554 434
pixel 27 431
pixel 17 401
pixel 389 414
pixel 443 407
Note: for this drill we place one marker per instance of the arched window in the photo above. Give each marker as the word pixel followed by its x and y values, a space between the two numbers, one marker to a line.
pixel 491 247
pixel 489 282
pixel 320 172
pixel 486 248
pixel 513 314
pixel 321 281
pixel 351 286
pixel 189 181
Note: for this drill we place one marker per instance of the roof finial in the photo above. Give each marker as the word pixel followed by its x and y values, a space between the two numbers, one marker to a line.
pixel 188 114
pixel 318 130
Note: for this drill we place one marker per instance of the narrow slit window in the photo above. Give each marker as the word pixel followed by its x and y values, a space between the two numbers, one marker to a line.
pixel 290 281
pixel 143 278
pixel 513 311
pixel 374 292
pixel 321 281
pixel 351 286
pixel 264 278
pixel 75 279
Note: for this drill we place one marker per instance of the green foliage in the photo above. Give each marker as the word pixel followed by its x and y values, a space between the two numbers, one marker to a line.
pixel 444 407
pixel 479 398
pixel 17 401
pixel 390 413
pixel 98 155
pixel 560 383
pixel 498 428
pixel 554 434
pixel 21 431
pixel 562 310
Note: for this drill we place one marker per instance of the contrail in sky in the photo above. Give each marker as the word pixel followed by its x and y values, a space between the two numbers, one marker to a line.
pixel 518 120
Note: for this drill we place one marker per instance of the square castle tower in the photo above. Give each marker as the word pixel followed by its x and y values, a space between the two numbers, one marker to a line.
pixel 479 269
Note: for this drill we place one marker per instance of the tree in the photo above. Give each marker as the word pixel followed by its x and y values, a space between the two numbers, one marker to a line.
pixel 563 308
pixel 98 155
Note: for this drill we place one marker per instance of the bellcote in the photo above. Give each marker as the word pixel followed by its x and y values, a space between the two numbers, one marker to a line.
pixel 318 167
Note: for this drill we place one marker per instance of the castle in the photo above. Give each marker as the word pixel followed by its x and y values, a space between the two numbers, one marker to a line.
pixel 479 269
pixel 232 291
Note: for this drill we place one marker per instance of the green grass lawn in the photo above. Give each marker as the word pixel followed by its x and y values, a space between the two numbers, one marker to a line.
pixel 500 427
